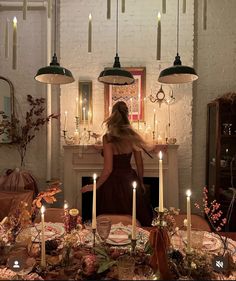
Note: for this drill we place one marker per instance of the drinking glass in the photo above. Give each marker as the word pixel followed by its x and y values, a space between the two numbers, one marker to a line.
pixel 125 265
pixel 103 228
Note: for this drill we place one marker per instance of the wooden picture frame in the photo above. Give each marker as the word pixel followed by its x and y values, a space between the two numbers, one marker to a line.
pixel 85 102
pixel 136 91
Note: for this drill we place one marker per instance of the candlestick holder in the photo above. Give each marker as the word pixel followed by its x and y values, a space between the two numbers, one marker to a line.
pixel 94 236
pixel 67 139
pixel 64 134
pixel 153 136
pixel 133 246
pixel 77 122
pixel 160 221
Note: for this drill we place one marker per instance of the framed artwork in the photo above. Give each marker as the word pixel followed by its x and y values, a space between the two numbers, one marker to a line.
pixel 133 95
pixel 86 102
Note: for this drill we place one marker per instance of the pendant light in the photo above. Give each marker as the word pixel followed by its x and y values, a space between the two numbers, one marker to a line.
pixel 116 75
pixel 178 73
pixel 54 73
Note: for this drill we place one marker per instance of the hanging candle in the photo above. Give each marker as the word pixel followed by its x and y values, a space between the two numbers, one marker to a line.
pixel 108 9
pixel 7 39
pixel 24 9
pixel 90 34
pixel 159 36
pixel 163 6
pixel 14 51
pixel 123 6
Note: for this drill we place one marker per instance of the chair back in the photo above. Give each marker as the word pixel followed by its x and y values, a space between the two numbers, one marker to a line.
pixel 52 215
pixel 197 222
pixel 10 200
pixel 124 219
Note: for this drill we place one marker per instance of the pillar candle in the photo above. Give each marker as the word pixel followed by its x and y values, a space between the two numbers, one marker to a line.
pixel 65 122
pixel 14 51
pixel 77 107
pixel 161 209
pixel 188 193
pixel 94 223
pixel 134 211
pixel 7 39
pixel 24 9
pixel 43 251
pixel 159 36
pixel 90 34
pixel 154 119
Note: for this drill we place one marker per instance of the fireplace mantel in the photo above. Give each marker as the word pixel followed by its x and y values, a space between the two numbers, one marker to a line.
pixel 83 161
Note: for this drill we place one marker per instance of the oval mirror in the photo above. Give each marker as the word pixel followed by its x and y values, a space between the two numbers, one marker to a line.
pixel 6 105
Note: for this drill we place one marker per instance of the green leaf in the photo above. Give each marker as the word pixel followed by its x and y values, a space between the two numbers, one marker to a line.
pixel 148 248
pixel 101 252
pixel 105 265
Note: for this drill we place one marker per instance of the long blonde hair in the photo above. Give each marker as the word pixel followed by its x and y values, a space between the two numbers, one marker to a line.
pixel 119 128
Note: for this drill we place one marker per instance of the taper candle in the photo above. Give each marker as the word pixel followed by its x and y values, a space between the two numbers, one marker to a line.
pixel 90 34
pixel 188 193
pixel 24 9
pixel 154 119
pixel 77 107
pixel 14 52
pixel 65 121
pixel 84 115
pixel 159 36
pixel 7 39
pixel 89 119
pixel 94 215
pixel 43 250
pixel 161 208
pixel 134 211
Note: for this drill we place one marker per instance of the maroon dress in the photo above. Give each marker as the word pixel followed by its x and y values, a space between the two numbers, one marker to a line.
pixel 115 195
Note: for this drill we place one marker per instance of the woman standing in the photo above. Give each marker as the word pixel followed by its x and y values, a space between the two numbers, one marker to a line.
pixel 114 186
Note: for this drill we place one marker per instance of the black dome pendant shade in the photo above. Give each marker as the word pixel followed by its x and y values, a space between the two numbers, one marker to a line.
pixel 116 75
pixel 178 73
pixel 54 73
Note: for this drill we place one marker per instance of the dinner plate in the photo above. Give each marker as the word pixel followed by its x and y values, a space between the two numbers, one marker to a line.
pixel 119 236
pixel 211 243
pixel 51 231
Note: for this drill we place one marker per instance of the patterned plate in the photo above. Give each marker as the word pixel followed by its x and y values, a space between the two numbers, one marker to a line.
pixel 119 236
pixel 52 231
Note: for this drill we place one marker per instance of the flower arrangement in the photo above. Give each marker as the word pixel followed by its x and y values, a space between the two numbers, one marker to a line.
pixel 22 133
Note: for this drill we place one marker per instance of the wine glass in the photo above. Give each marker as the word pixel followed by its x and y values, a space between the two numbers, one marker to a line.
pixel 103 228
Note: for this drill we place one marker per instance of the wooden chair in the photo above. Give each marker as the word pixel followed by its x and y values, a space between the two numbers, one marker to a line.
pixel 52 215
pixel 125 219
pixel 198 222
pixel 10 200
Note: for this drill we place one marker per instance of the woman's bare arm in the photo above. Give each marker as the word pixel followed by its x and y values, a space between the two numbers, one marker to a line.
pixel 107 166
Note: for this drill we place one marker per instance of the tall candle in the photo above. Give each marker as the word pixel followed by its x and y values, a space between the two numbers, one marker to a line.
pixel 110 110
pixel 90 34
pixel 154 119
pixel 84 115
pixel 24 9
pixel 89 119
pixel 43 252
pixel 94 223
pixel 7 39
pixel 65 121
pixel 14 51
pixel 134 211
pixel 161 209
pixel 159 36
pixel 131 109
pixel 188 193
pixel 77 107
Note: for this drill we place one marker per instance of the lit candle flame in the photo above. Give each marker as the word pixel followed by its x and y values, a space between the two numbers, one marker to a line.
pixel 94 176
pixel 134 185
pixel 15 21
pixel 90 16
pixel 159 16
pixel 188 193
pixel 66 205
pixel 42 210
pixel 160 155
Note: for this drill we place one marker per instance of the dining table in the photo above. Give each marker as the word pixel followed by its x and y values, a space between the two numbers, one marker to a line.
pixel 83 255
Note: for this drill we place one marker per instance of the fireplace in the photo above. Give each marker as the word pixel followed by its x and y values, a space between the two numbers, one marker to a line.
pixel 81 162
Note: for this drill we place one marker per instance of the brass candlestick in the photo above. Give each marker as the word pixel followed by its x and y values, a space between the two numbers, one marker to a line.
pixel 160 221
pixel 153 136
pixel 133 246
pixel 94 236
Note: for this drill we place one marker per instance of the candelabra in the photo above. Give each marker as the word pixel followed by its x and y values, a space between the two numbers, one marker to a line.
pixel 160 221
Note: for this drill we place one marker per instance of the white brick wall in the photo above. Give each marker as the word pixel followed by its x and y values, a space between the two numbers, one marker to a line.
pixel 137 47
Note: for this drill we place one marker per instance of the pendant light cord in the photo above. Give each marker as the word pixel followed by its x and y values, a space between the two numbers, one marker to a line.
pixel 178 29
pixel 117 26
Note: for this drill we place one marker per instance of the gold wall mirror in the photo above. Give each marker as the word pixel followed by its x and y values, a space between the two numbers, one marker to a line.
pixel 6 103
